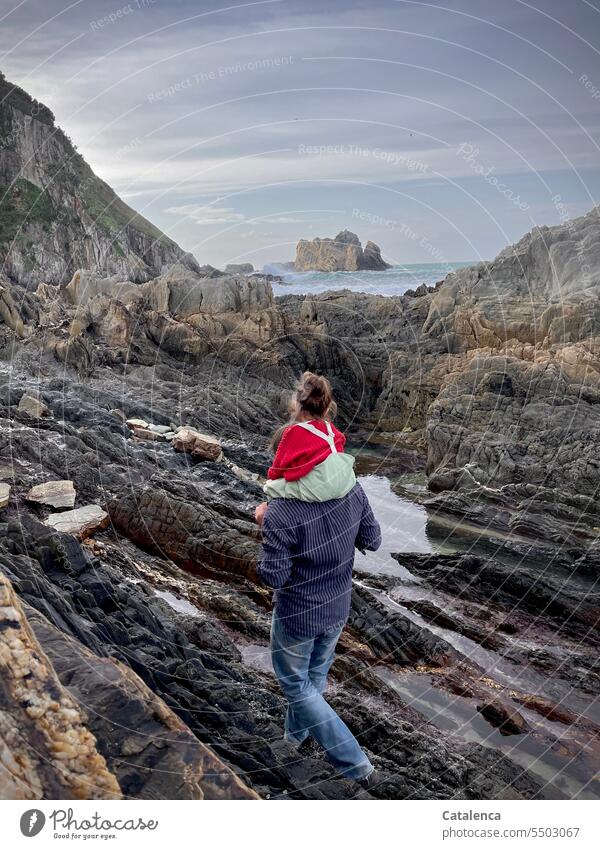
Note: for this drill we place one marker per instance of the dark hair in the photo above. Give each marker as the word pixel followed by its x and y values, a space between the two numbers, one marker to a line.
pixel 313 395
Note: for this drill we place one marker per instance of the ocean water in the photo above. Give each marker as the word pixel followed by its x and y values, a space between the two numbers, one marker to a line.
pixel 394 281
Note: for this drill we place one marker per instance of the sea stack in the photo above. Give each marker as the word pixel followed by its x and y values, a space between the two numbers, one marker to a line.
pixel 344 253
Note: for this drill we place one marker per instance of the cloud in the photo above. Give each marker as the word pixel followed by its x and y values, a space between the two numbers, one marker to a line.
pixel 281 219
pixel 207 214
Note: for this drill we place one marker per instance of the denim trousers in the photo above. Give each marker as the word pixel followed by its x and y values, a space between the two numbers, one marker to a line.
pixel 301 665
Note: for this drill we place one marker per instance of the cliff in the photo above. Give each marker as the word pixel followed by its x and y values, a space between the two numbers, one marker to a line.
pixel 344 253
pixel 56 215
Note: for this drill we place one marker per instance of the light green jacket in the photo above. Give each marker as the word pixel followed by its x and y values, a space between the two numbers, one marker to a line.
pixel 333 478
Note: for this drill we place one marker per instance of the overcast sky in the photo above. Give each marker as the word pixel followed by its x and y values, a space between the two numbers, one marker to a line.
pixel 441 130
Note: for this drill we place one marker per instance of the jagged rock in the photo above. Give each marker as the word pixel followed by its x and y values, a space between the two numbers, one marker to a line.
pixel 371 258
pixel 182 293
pixel 86 285
pixel 199 445
pixel 239 268
pixel 33 406
pixel 77 352
pixel 53 493
pixel 81 522
pixel 46 750
pixel 538 590
pixel 9 312
pixel 343 253
pixel 4 495
pixel 210 271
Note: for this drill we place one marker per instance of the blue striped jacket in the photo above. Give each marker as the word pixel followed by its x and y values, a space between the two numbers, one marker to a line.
pixel 308 555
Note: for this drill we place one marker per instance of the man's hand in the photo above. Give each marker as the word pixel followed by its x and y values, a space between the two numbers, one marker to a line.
pixel 259 513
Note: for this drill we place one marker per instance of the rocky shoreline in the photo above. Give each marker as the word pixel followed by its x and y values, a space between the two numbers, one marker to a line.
pixel 137 395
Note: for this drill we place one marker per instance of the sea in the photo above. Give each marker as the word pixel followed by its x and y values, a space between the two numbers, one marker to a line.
pixel 393 281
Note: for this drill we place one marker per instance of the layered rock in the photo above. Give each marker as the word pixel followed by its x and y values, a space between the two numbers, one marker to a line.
pixel 151 752
pixel 46 750
pixel 342 253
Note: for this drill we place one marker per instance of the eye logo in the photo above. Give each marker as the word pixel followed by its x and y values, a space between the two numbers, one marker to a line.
pixel 32 822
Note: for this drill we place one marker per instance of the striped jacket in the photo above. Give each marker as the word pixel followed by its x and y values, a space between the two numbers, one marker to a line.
pixel 308 555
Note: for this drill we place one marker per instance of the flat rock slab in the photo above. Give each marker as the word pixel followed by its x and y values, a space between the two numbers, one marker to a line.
pixel 33 406
pixel 133 423
pixel 199 445
pixel 81 522
pixel 53 493
pixel 4 495
pixel 146 433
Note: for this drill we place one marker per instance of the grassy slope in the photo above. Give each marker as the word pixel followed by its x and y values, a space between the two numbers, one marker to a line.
pixel 110 213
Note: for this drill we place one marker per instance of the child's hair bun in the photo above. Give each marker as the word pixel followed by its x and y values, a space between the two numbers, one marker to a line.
pixel 313 394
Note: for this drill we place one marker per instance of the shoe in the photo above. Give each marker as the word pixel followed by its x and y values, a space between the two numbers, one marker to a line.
pixel 369 781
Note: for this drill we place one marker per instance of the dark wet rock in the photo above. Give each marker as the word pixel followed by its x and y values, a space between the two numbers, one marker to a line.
pixel 239 713
pixel 392 636
pixel 507 719
pixel 407 750
pixel 540 592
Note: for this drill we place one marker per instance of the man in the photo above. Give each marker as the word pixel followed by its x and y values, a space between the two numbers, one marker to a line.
pixel 308 555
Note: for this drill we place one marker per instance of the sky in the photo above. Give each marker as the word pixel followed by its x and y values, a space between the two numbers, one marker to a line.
pixel 443 131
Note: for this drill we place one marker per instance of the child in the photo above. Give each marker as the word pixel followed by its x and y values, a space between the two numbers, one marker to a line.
pixel 310 463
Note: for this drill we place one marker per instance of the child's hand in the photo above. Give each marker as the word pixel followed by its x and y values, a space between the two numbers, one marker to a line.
pixel 259 513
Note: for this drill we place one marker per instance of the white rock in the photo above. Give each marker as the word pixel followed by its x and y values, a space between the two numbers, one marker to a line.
pixel 81 522
pixel 4 495
pixel 133 423
pixel 53 493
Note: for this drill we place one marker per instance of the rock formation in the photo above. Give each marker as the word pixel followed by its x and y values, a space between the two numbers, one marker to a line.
pixel 239 268
pixel 46 750
pixel 343 253
pixel 57 215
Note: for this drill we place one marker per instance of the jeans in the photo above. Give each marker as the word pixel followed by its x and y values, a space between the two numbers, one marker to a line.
pixel 301 665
